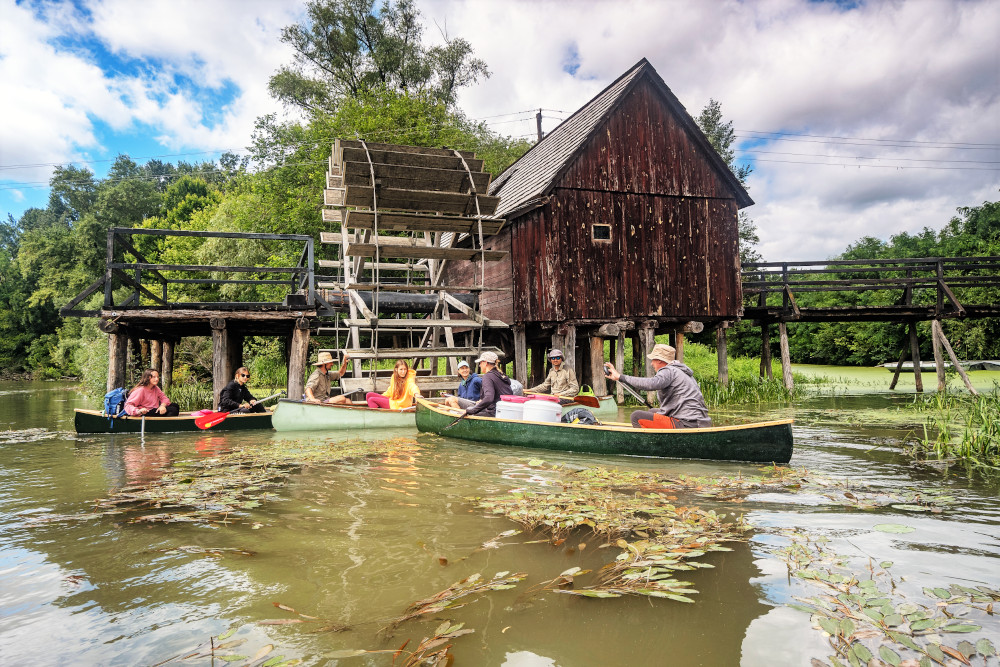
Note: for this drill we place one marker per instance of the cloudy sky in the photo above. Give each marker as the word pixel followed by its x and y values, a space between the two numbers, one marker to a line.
pixel 859 118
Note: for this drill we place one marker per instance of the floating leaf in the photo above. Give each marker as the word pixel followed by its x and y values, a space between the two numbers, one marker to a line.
pixel 968 649
pixel 347 653
pixel 534 463
pixel 885 565
pixel 889 656
pixel 231 658
pixel 986 648
pixel 961 627
pixel 228 633
pixel 911 508
pixel 893 528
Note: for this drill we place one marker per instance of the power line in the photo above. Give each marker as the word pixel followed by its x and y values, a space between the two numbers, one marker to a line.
pixel 868 157
pixel 907 141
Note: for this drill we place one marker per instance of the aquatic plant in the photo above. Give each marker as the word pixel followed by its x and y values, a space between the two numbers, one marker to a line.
pixel 961 428
pixel 220 648
pixel 869 617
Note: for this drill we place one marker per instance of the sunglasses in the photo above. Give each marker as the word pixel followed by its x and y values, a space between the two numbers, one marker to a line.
pixel 244 375
pixel 560 358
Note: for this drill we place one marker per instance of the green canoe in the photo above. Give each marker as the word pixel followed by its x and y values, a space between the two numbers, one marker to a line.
pixel 292 415
pixel 765 442
pixel 95 421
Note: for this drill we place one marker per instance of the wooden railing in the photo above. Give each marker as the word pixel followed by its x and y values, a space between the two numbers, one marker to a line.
pixel 938 286
pixel 141 276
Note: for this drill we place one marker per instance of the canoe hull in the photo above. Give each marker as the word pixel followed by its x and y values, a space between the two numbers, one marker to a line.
pixel 95 421
pixel 292 415
pixel 768 442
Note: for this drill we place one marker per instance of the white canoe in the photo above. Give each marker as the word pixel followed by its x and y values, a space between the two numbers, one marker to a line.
pixel 292 415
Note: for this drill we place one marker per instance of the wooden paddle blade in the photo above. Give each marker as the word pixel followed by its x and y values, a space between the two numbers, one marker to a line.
pixel 210 420
pixel 587 401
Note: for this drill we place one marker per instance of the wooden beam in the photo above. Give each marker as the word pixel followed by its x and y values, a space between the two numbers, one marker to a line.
pixel 954 358
pixel 156 358
pixel 381 266
pixel 520 355
pixel 398 221
pixel 607 331
pixel 221 373
pixel 942 380
pixel 117 360
pixel 899 368
pixel 424 252
pixel 679 345
pixel 765 351
pixel 722 355
pixel 597 381
pixel 620 365
pixel 412 177
pixel 786 360
pixel 167 372
pixel 647 339
pixel 298 359
pixel 915 356
pixel 411 200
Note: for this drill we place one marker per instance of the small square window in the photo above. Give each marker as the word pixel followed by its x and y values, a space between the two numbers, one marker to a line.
pixel 601 232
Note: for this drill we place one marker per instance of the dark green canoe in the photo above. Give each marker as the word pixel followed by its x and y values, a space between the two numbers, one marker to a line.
pixel 765 442
pixel 95 421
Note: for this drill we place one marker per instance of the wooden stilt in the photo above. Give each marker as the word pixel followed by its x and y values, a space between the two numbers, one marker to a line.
pixel 569 348
pixel 156 358
pixel 647 339
pixel 942 380
pixel 899 367
pixel 537 366
pixel 936 328
pixel 221 373
pixel 167 367
pixel 721 354
pixel 117 360
pixel 145 361
pixel 915 356
pixel 620 365
pixel 765 351
pixel 135 364
pixel 679 345
pixel 786 359
pixel 597 381
pixel 298 359
pixel 520 355
pixel 636 354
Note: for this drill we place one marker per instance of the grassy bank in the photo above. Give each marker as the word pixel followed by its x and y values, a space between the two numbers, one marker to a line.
pixel 961 428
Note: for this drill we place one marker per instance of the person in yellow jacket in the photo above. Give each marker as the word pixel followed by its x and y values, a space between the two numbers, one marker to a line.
pixel 401 392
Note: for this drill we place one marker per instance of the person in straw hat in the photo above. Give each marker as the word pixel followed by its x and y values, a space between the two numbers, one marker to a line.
pixel 675 386
pixel 318 386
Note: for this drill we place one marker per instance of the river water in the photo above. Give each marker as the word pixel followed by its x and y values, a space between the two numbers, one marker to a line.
pixel 355 543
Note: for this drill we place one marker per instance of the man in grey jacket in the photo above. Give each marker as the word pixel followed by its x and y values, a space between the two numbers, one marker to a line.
pixel 675 386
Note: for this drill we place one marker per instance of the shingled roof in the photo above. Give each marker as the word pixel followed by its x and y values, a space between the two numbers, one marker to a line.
pixel 525 183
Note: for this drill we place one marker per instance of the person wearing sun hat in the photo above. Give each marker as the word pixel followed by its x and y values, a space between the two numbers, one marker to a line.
pixel 560 381
pixel 469 389
pixel 675 387
pixel 495 385
pixel 318 386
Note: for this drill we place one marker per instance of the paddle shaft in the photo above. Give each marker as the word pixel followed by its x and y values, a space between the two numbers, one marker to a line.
pixel 634 393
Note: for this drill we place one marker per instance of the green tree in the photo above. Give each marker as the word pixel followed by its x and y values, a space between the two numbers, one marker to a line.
pixel 721 135
pixel 346 48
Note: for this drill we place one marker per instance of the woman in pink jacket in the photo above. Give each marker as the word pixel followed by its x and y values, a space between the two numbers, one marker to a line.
pixel 148 399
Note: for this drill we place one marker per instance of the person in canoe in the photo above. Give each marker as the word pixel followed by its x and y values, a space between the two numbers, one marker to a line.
pixel 561 380
pixel 235 398
pixel 495 385
pixel 318 386
pixel 401 392
pixel 147 399
pixel 469 389
pixel 675 386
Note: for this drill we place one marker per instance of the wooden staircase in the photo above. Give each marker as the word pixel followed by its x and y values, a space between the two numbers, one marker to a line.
pixel 402 213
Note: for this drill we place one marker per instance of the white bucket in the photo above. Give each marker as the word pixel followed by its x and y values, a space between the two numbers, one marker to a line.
pixel 542 410
pixel 510 407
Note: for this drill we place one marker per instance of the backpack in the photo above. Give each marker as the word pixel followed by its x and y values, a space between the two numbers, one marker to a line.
pixel 114 402
pixel 579 416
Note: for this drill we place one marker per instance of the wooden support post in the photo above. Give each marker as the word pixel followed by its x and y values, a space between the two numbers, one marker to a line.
pixel 679 345
pixel 134 359
pixel 597 381
pixel 144 354
pixel 537 366
pixel 786 359
pixel 118 360
pixel 298 358
pixel 167 369
pixel 721 354
pixel 899 367
pixel 520 355
pixel 915 356
pixel 569 347
pixel 221 372
pixel 636 354
pixel 765 351
pixel 647 339
pixel 939 332
pixel 156 358
pixel 942 380
pixel 620 365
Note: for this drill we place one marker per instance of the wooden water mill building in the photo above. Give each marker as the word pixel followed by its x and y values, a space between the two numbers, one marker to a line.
pixel 621 222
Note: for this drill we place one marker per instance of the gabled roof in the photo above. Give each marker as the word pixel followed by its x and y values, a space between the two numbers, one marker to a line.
pixel 527 181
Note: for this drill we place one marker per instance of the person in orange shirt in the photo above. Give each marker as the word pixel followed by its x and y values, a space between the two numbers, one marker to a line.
pixel 401 392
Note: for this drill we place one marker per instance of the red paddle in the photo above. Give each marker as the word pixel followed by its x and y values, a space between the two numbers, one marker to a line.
pixel 216 418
